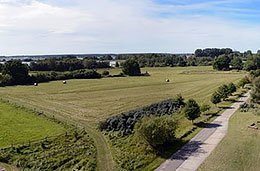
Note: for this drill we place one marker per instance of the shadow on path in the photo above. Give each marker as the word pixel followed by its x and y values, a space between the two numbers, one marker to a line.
pixel 188 149
pixel 207 125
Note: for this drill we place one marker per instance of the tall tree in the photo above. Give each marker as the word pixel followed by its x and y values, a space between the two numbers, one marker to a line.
pixel 191 110
pixel 215 98
pixel 18 71
pixel 222 63
pixel 255 93
pixel 131 68
pixel 237 63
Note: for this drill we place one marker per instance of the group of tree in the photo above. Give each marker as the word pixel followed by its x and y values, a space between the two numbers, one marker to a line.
pixel 212 52
pixel 16 73
pixel 231 61
pixel 67 64
pixel 223 92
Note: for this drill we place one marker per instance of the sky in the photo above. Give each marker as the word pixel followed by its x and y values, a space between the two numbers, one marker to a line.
pixel 127 26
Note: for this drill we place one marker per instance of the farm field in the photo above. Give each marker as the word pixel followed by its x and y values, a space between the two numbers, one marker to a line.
pixel 18 126
pixel 239 150
pixel 86 102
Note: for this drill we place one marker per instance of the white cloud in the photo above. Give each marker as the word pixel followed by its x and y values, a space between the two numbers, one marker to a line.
pixel 86 26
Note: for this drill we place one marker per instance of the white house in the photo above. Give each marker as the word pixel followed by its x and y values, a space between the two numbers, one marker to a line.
pixel 113 63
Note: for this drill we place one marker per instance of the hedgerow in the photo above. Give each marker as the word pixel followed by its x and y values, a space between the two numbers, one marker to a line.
pixel 126 121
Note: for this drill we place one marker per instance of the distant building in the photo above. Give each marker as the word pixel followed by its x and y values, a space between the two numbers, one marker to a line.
pixel 189 56
pixel 113 63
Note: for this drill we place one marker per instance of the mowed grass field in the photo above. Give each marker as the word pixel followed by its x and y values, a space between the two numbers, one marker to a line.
pixel 19 126
pixel 96 99
pixel 239 150
pixel 86 102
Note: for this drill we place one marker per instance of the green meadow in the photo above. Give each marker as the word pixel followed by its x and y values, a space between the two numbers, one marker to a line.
pixel 18 126
pixel 86 102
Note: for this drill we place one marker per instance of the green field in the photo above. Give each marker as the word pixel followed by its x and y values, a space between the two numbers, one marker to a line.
pixel 85 102
pixel 18 126
pixel 239 150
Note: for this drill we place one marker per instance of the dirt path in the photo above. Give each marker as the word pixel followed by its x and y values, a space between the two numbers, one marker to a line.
pixel 192 154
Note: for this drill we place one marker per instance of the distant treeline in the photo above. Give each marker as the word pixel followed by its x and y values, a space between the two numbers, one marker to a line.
pixel 212 52
pixel 162 60
pixel 67 64
pixel 16 73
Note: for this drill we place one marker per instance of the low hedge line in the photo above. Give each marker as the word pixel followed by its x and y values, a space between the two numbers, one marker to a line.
pixel 79 74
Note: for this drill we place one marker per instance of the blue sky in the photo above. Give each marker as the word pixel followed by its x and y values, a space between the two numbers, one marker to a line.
pixel 121 26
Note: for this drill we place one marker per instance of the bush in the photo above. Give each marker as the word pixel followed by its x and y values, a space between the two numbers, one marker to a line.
pixel 245 107
pixel 243 82
pixel 157 131
pixel 191 110
pixel 105 72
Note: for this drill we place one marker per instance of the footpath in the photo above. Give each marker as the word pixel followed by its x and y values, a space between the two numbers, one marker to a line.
pixel 192 154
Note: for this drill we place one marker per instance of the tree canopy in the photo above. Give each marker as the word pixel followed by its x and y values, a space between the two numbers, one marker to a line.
pixel 221 63
pixel 19 72
pixel 131 68
pixel 255 93
pixel 191 110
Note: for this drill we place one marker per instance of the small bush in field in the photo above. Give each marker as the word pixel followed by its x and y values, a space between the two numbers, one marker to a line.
pixel 157 131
